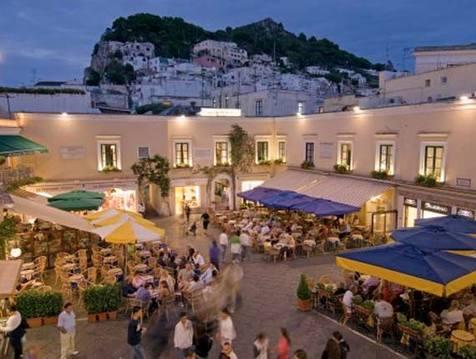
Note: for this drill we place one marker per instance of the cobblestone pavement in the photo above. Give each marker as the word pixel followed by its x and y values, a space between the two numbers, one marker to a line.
pixel 268 292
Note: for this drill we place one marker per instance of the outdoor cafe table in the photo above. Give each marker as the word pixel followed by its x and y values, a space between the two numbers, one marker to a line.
pixel 144 254
pixel 147 278
pixel 76 278
pixel 460 338
pixel 71 258
pixel 69 267
pixel 105 252
pixel 27 274
pixel 29 265
pixel 110 259
pixel 140 268
pixel 117 272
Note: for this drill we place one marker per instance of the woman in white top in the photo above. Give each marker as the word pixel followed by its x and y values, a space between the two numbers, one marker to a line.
pixel 261 347
pixel 226 329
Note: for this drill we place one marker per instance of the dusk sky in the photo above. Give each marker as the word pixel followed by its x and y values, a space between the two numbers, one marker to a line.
pixel 53 39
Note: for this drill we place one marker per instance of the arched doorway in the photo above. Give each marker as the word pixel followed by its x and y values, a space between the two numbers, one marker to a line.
pixel 221 195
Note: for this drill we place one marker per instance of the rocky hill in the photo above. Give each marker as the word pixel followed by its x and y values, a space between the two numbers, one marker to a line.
pixel 173 37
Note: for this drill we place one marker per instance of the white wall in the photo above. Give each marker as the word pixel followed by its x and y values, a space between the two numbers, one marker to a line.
pixel 71 103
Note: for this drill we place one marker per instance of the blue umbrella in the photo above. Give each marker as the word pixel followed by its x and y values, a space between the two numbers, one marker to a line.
pixel 452 223
pixel 258 194
pixel 322 207
pixel 285 200
pixel 432 271
pixel 434 237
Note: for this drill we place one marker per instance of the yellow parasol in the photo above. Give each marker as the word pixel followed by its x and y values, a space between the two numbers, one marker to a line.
pixel 130 231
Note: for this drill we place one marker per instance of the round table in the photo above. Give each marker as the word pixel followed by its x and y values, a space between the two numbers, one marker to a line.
pixel 27 274
pixel 460 338
pixel 110 259
pixel 140 268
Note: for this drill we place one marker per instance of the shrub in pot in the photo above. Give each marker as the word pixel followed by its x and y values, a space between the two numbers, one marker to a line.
pixel 52 304
pixel 100 299
pixel 382 175
pixel 303 295
pixel 307 165
pixel 27 305
pixel 342 169
pixel 438 347
pixel 467 352
pixel 426 181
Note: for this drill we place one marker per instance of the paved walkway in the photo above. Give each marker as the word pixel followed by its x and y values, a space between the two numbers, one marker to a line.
pixel 268 292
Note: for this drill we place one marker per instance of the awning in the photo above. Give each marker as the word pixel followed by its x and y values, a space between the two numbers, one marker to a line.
pixel 258 194
pixel 77 195
pixel 339 189
pixel 9 276
pixel 440 273
pixel 11 145
pixel 46 213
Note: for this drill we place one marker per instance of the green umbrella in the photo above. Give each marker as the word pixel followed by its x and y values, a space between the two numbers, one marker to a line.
pixel 77 195
pixel 83 204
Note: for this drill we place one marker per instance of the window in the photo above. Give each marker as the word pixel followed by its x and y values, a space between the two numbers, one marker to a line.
pixel 385 158
pixel 259 107
pixel 281 151
pixel 345 155
pixel 108 155
pixel 427 83
pixel 433 163
pixel 444 80
pixel 300 108
pixel 227 100
pixel 261 151
pixel 309 152
pixel 143 152
pixel 182 154
pixel 221 153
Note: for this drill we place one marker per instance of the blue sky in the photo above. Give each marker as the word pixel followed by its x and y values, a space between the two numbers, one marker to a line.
pixel 53 39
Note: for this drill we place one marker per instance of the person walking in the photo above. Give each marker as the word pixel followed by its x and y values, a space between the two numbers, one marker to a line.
pixel 261 347
pixel 67 328
pixel 203 345
pixel 214 254
pixel 15 330
pixel 245 242
pixel 284 344
pixel 183 336
pixel 235 247
pixel 227 352
pixel 223 241
pixel 205 220
pixel 336 347
pixel 226 329
pixel 134 333
pixel 187 211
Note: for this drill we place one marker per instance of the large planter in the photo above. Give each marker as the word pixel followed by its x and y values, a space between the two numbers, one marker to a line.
pixel 35 322
pixel 50 320
pixel 112 315
pixel 102 316
pixel 304 305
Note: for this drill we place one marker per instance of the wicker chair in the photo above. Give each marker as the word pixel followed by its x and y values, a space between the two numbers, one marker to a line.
pixel 92 274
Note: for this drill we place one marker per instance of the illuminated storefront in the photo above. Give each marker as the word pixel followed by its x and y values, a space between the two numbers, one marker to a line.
pixel 432 210
pixel 120 199
pixel 410 211
pixel 186 195
pixel 249 185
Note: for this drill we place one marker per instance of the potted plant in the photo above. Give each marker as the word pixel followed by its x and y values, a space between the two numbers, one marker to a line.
pixel 279 161
pixel 113 300
pixel 303 295
pixel 27 305
pixel 99 300
pixel 264 163
pixel 381 175
pixel 467 352
pixel 307 165
pixel 342 169
pixel 108 169
pixel 52 303
pixel 438 347
pixel 426 181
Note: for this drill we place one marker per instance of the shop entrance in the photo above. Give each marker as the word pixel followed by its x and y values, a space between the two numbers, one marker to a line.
pixel 221 192
pixel 384 222
pixel 189 195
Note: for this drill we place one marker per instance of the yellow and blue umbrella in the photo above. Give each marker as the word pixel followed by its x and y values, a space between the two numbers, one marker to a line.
pixel 441 273
pixel 129 232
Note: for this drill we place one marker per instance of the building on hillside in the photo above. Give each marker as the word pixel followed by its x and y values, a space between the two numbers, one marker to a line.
pixel 209 61
pixel 229 52
pixel 431 58
pixel 433 139
pixel 316 70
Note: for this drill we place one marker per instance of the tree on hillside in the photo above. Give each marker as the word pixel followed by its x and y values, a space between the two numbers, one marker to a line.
pixel 155 171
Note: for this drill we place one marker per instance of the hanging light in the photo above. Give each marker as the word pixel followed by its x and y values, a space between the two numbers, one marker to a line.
pixel 15 252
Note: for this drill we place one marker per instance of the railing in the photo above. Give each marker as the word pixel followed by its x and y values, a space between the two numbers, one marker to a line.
pixel 10 175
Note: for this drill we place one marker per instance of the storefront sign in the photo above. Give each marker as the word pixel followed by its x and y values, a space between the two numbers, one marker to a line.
pixel 72 152
pixel 433 207
pixel 410 202
pixel 463 182
pixel 465 212
pixel 326 150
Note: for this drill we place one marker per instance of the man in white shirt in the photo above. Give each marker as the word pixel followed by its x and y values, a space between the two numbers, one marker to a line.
pixel 67 328
pixel 347 301
pixel 15 331
pixel 245 242
pixel 198 259
pixel 223 242
pixel 382 308
pixel 183 336
pixel 226 329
